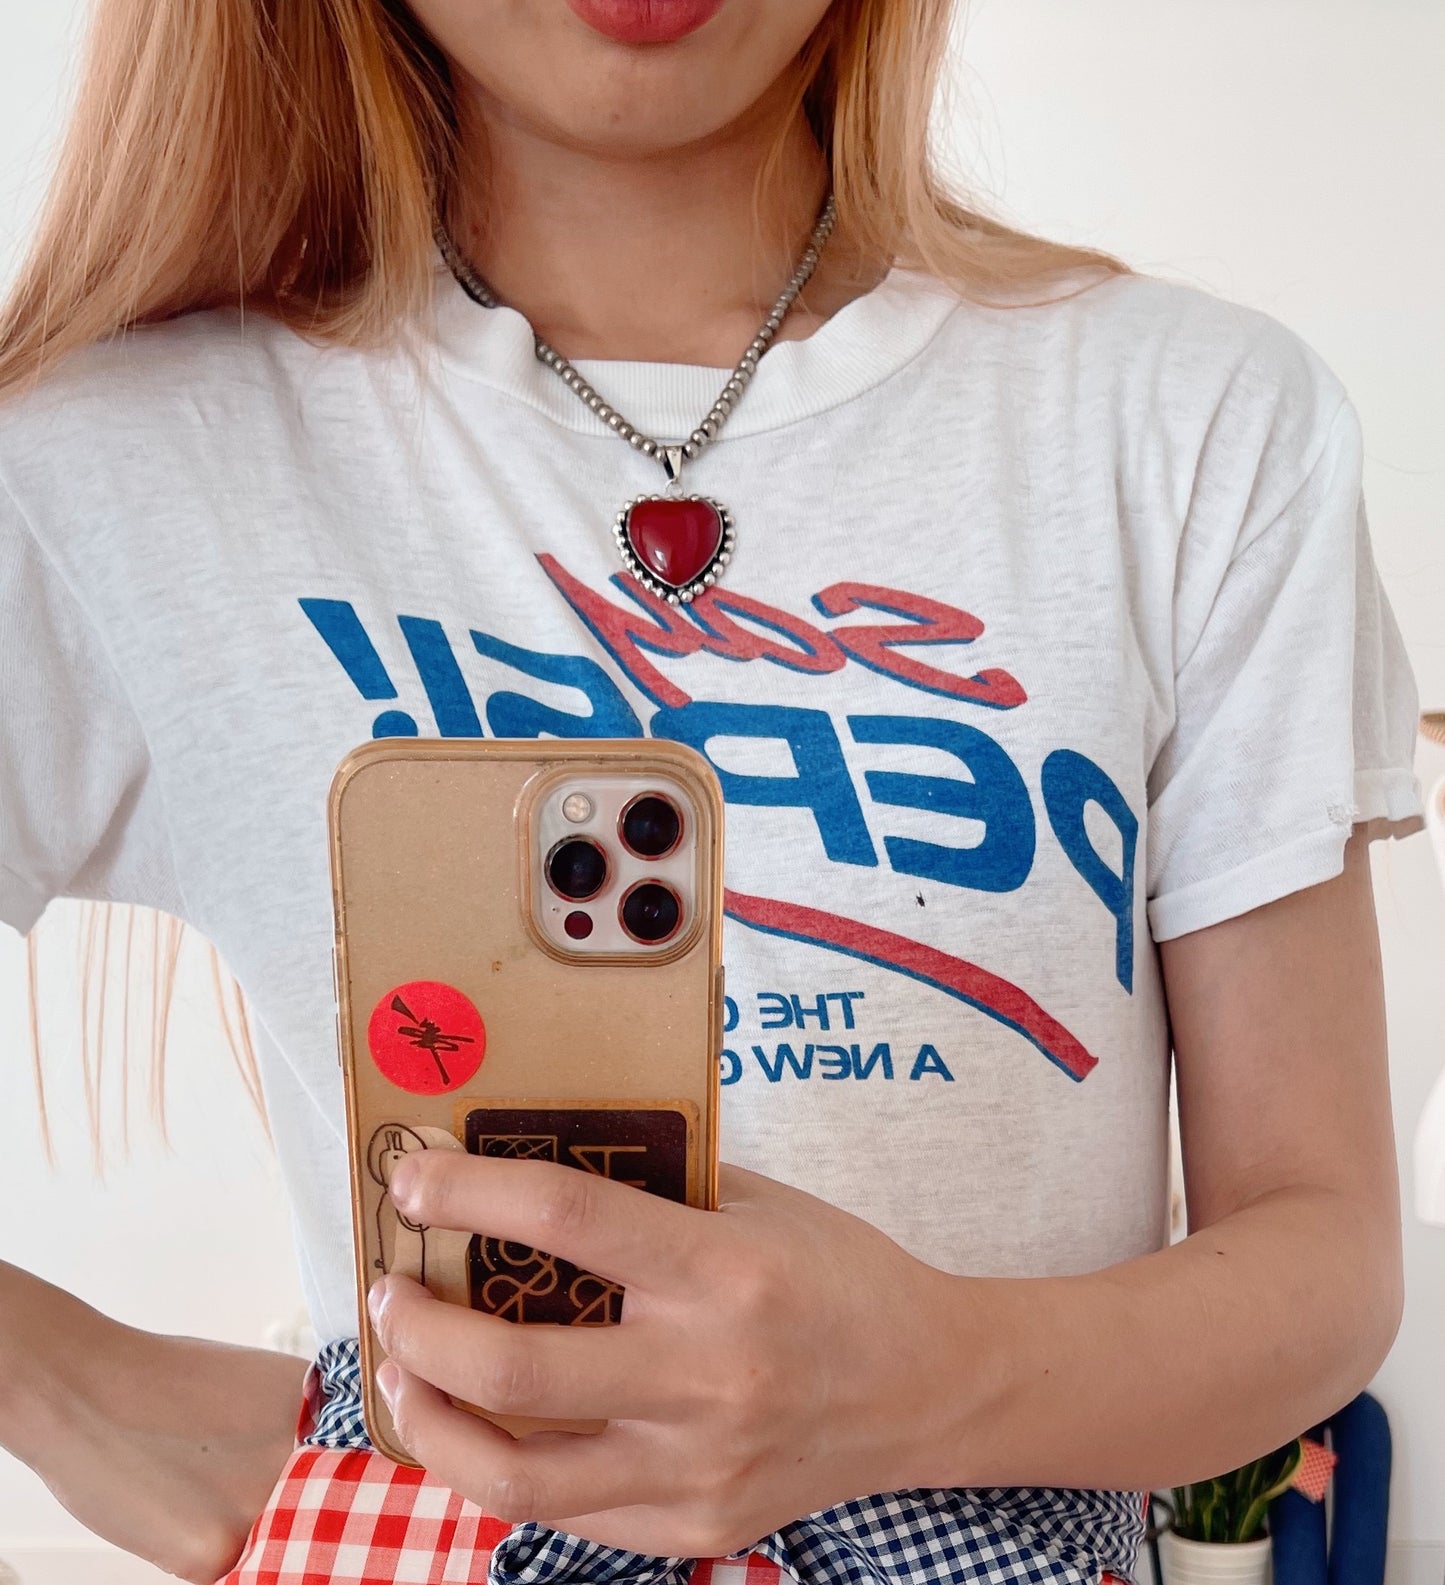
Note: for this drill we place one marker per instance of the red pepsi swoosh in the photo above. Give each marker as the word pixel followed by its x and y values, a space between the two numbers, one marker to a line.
pixel 954 976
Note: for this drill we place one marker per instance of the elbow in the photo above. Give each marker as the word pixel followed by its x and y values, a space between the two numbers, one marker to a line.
pixel 1387 1312
pixel 1378 1315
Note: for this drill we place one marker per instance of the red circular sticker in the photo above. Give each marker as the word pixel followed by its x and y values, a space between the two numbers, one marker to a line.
pixel 426 1037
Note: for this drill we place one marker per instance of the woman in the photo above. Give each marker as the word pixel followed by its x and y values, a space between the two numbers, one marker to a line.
pixel 1051 687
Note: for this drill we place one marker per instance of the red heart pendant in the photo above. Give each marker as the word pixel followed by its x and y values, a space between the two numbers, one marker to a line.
pixel 675 545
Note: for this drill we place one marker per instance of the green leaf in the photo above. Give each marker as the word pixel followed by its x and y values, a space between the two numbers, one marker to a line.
pixel 1234 1506
pixel 1288 1466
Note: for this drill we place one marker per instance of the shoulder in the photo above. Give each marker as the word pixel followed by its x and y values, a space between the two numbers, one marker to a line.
pixel 1191 339
pixel 157 395
pixel 1203 411
pixel 152 371
pixel 1164 356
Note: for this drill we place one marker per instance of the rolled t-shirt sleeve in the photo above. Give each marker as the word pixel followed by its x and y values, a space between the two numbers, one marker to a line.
pixel 1294 705
pixel 80 810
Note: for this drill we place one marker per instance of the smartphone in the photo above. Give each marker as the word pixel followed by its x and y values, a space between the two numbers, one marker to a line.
pixel 528 964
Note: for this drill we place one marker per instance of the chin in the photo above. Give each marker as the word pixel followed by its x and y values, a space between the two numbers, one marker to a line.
pixel 571 70
pixel 625 130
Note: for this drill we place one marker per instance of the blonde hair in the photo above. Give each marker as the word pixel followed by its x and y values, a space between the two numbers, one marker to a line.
pixel 292 159
pixel 115 953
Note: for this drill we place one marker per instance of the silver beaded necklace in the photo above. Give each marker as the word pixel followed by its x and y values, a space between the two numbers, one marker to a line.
pixel 675 545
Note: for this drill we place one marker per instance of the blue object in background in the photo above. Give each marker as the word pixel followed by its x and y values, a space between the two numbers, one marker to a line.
pixel 1360 1506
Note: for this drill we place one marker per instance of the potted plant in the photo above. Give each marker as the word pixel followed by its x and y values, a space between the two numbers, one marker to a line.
pixel 1219 1531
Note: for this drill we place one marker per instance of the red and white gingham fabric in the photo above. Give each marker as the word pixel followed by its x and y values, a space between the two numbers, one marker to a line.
pixel 354 1518
pixel 1313 1474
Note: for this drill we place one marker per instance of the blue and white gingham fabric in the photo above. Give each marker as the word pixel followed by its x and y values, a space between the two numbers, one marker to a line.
pixel 956 1536
pixel 340 1421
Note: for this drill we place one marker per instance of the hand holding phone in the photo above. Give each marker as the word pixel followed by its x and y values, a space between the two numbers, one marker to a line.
pixel 528 942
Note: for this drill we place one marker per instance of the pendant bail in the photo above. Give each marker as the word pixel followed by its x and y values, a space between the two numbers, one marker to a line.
pixel 672 460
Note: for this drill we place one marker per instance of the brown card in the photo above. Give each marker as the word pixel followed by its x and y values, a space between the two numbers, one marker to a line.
pixel 645 1147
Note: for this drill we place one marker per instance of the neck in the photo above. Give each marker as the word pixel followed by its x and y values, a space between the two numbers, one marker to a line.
pixel 672 259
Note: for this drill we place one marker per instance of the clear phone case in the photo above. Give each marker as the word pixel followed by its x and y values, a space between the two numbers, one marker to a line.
pixel 481 1008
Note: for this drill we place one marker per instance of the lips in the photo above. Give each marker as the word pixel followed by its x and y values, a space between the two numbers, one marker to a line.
pixel 646 21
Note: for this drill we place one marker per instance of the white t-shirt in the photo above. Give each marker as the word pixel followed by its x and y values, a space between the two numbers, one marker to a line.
pixel 1051 632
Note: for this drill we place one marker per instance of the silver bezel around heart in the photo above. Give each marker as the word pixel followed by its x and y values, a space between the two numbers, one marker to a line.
pixel 675 594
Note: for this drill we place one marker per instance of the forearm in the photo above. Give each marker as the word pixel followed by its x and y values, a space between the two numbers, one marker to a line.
pixel 46 1337
pixel 1170 1368
pixel 62 1362
pixel 167 1446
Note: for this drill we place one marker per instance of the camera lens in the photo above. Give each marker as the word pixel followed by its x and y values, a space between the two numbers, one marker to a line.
pixel 650 912
pixel 650 826
pixel 577 869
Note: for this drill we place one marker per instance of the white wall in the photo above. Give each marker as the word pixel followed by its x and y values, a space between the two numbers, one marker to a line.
pixel 1287 153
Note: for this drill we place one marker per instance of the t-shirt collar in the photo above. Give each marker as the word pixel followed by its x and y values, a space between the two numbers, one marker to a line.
pixel 865 342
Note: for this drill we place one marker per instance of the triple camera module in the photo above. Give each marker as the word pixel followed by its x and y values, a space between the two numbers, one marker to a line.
pixel 579 867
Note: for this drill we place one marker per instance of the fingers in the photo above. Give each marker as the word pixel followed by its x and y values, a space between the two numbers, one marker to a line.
pixel 619 1232
pixel 553 1372
pixel 542 1477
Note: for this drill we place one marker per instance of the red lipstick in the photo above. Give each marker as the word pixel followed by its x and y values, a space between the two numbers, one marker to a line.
pixel 646 21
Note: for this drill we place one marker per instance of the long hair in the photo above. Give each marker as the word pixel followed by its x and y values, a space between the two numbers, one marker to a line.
pixel 290 157
pixel 115 987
